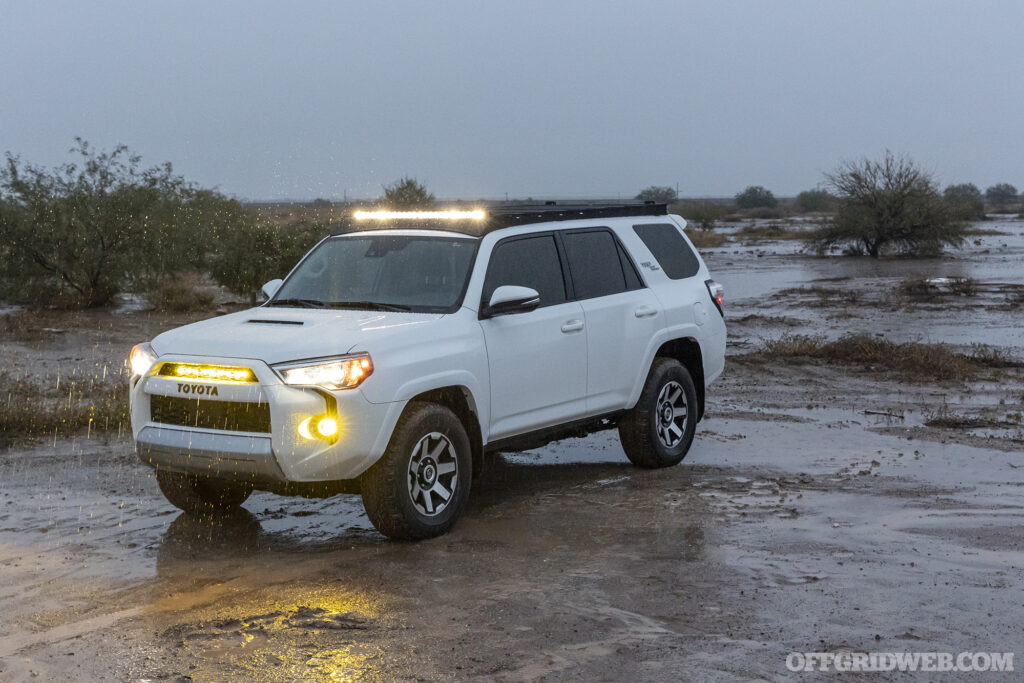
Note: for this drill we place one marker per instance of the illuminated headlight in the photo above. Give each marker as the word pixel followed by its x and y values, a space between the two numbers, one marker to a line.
pixel 339 373
pixel 141 359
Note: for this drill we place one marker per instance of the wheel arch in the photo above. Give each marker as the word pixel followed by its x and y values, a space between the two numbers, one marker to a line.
pixel 687 351
pixel 459 399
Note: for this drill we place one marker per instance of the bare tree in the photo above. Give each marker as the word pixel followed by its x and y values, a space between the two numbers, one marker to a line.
pixel 888 205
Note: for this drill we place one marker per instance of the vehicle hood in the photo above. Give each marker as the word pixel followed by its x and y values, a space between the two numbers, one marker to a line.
pixel 276 335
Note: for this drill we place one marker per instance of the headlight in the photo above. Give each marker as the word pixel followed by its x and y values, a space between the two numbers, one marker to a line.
pixel 141 359
pixel 339 373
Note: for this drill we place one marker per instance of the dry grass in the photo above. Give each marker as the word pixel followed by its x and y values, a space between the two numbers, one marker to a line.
pixel 178 295
pixel 771 232
pixel 61 406
pixel 706 239
pixel 976 231
pixel 825 296
pixel 913 359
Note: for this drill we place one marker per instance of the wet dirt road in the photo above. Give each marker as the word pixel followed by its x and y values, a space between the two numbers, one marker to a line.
pixel 818 511
pixel 790 527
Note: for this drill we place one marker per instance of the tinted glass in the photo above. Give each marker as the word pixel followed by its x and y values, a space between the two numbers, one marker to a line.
pixel 530 262
pixel 633 280
pixel 594 263
pixel 417 273
pixel 670 249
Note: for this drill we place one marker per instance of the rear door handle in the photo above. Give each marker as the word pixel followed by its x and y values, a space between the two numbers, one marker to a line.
pixel 645 312
pixel 572 326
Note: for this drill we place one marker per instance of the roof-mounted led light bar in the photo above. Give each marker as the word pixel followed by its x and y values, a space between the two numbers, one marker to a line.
pixel 448 215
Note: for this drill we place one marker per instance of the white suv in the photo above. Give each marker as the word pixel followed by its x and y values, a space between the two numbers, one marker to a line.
pixel 396 354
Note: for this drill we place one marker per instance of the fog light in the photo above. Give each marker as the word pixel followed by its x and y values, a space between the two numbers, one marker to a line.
pixel 327 427
pixel 304 428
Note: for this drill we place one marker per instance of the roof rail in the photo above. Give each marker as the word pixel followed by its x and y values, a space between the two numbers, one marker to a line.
pixel 522 214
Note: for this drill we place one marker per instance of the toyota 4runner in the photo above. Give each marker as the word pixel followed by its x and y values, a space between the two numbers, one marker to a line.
pixel 397 353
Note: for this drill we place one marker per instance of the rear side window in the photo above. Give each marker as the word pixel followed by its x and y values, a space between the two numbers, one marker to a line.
pixel 527 262
pixel 594 263
pixel 669 247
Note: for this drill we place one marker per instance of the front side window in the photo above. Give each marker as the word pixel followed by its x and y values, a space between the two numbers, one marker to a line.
pixel 382 272
pixel 670 249
pixel 527 262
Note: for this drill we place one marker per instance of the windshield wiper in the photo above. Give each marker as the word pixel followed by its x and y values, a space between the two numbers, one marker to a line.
pixel 299 303
pixel 370 305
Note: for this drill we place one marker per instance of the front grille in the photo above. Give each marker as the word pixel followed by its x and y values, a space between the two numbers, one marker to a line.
pixel 233 416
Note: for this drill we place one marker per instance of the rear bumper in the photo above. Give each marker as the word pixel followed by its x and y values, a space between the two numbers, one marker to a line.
pixel 280 456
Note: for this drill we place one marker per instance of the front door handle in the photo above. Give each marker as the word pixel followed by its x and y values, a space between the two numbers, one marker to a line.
pixel 645 311
pixel 572 326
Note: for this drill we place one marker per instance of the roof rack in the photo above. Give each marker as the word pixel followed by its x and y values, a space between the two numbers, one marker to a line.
pixel 510 215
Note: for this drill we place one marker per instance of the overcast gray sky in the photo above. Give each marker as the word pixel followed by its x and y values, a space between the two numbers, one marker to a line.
pixel 319 99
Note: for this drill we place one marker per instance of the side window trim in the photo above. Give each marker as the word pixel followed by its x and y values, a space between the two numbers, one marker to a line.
pixel 525 236
pixel 622 251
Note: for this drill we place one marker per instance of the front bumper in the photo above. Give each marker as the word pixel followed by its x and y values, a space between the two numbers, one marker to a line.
pixel 279 456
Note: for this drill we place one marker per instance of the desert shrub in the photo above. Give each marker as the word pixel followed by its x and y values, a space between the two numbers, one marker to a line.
pixel 407 193
pixel 815 201
pixel 754 197
pixel 178 295
pixel 966 201
pixel 662 194
pixel 1001 195
pixel 915 359
pixel 80 233
pixel 250 252
pixel 887 205
pixel 703 214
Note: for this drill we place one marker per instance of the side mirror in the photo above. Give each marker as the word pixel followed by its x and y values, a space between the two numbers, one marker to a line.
pixel 270 289
pixel 512 299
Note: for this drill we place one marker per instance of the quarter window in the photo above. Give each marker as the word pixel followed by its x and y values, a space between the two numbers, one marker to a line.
pixel 527 262
pixel 670 249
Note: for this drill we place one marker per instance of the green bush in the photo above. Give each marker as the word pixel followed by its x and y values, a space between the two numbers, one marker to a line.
pixel 80 233
pixel 754 197
pixel 816 201
pixel 1001 195
pixel 657 193
pixel 249 252
pixel 407 193
pixel 966 201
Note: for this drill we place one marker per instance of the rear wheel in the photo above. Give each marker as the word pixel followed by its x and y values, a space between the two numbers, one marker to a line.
pixel 658 431
pixel 420 485
pixel 194 493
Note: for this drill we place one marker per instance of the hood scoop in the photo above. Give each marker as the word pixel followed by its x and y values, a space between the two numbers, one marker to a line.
pixel 267 321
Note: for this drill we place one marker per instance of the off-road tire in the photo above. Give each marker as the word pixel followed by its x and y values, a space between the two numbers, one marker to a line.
pixel 639 430
pixel 386 486
pixel 198 494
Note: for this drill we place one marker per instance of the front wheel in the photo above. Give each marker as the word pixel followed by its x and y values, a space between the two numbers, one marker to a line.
pixel 658 431
pixel 193 493
pixel 421 484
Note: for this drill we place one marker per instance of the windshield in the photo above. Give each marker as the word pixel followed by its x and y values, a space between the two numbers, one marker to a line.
pixel 382 272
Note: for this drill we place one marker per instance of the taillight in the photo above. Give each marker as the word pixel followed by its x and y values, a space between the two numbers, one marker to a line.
pixel 717 293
